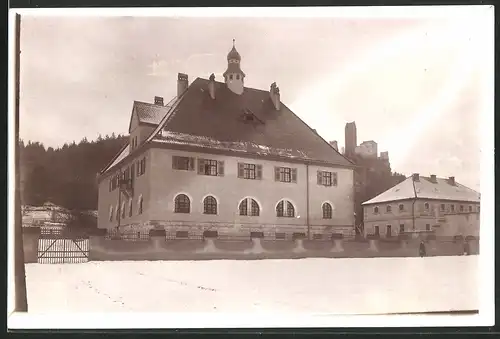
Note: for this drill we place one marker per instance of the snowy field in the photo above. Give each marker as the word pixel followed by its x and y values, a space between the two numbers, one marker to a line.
pixel 333 286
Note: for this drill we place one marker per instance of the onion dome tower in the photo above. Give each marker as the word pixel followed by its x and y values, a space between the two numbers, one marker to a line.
pixel 234 76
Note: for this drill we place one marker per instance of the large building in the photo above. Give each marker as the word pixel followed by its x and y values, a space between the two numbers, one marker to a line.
pixel 440 206
pixel 222 156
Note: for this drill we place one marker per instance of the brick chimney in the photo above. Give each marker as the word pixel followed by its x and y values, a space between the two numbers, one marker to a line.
pixel 274 94
pixel 211 86
pixel 433 178
pixel 451 181
pixel 182 83
pixel 334 144
pixel 159 101
pixel 416 177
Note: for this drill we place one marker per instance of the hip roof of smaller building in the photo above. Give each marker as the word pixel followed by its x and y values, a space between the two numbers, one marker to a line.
pixel 425 188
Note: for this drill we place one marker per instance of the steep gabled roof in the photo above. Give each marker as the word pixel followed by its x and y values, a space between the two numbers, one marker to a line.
pixel 148 113
pixel 221 120
pixel 424 188
pixel 196 119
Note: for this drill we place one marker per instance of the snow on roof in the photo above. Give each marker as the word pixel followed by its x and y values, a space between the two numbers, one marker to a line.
pixel 403 190
pixel 424 188
pixel 124 153
pixel 236 146
pixel 151 113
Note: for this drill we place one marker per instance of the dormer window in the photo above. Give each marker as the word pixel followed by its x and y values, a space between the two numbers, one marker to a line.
pixel 230 77
pixel 237 77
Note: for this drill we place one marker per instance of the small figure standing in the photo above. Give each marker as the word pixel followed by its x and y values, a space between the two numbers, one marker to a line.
pixel 421 249
pixel 466 248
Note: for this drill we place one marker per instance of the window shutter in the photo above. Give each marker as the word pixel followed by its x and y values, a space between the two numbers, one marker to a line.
pixel 294 175
pixel 319 177
pixel 276 174
pixel 259 171
pixel 220 168
pixel 191 164
pixel 174 162
pixel 144 166
pixel 201 166
pixel 241 170
pixel 334 179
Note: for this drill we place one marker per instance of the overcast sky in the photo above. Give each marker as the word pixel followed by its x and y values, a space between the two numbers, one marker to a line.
pixel 415 86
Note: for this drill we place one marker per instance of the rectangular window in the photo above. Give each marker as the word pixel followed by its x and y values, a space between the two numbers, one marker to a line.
pixel 210 167
pixel 388 231
pixel 428 227
pixel 114 182
pixel 249 171
pixel 327 178
pixel 377 231
pixel 183 163
pixel 452 207
pixel 141 167
pixel 285 174
pixel 401 228
pixel 442 207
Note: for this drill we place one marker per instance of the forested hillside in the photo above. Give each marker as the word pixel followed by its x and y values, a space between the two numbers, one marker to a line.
pixel 65 176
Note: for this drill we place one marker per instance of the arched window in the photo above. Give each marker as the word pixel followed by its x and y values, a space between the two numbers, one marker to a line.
pixel 182 204
pixel 237 77
pixel 243 207
pixel 139 203
pixel 327 211
pixel 426 206
pixel 401 207
pixel 254 207
pixel 230 77
pixel 388 209
pixel 285 209
pixel 375 210
pixel 110 213
pixel 123 210
pixel 210 205
pixel 130 208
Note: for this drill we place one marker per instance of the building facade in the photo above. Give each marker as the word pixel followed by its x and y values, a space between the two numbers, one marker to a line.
pixel 221 156
pixel 440 206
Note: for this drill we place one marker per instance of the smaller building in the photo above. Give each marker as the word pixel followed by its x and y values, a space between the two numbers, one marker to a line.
pixel 440 206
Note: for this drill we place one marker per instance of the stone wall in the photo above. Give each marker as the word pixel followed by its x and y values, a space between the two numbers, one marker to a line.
pixel 159 248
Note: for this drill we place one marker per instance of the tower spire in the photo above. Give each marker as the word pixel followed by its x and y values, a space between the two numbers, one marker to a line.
pixel 234 76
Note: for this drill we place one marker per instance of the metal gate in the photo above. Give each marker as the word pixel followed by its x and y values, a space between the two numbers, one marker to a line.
pixel 62 249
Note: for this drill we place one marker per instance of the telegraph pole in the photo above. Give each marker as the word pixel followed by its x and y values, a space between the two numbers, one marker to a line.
pixel 21 302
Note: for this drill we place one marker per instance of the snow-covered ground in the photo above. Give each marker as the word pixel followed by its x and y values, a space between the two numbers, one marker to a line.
pixel 333 286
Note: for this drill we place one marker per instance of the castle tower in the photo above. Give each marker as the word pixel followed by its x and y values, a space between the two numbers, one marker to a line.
pixel 234 76
pixel 350 138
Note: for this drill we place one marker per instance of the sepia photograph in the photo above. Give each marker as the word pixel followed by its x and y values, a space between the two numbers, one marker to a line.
pixel 211 167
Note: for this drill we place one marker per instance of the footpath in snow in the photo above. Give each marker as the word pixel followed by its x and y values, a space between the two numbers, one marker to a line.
pixel 333 286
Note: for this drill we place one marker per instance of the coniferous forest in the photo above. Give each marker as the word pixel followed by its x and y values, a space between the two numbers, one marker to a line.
pixel 66 176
